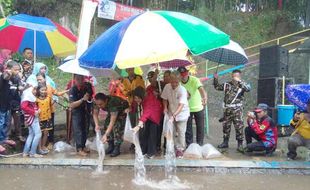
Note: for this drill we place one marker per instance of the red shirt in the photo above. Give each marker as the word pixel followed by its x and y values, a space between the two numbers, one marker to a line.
pixel 152 107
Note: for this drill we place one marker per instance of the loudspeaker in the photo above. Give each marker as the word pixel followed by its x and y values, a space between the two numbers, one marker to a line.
pixel 269 90
pixel 273 62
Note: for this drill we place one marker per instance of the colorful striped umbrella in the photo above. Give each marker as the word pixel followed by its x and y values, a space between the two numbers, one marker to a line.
pixel 152 37
pixel 44 36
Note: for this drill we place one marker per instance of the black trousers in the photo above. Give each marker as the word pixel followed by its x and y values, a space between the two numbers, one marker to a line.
pixel 159 133
pixel 79 125
pixel 254 146
pixel 148 138
pixel 200 126
pixel 51 132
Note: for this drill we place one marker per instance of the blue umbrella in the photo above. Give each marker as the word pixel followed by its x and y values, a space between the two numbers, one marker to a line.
pixel 299 95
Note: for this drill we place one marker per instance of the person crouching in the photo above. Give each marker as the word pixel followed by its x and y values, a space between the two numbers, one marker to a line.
pixel 263 129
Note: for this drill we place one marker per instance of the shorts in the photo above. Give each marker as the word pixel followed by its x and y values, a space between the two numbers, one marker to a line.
pixel 46 125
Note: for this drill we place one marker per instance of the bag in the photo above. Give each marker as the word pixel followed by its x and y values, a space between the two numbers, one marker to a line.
pixel 193 151
pixel 128 132
pixel 61 146
pixel 168 127
pixel 208 151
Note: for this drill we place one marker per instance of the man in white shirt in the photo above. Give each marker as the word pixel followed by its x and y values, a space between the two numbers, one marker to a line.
pixel 175 103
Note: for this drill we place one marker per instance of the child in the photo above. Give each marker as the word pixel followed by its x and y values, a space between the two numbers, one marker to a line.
pixel 31 113
pixel 44 103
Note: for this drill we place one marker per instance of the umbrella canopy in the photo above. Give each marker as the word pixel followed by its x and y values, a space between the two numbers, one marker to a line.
pixel 152 37
pixel 231 54
pixel 299 95
pixel 41 34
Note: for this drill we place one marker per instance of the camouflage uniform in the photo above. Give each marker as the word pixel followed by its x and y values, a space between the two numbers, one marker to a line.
pixel 116 105
pixel 233 106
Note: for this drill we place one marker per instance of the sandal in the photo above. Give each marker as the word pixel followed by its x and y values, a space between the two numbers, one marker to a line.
pixel 87 150
pixel 82 153
pixel 10 142
pixel 2 149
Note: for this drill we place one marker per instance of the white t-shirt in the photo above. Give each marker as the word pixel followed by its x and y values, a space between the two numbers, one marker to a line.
pixel 174 98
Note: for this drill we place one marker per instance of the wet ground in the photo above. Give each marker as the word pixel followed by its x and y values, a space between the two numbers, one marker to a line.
pixel 68 179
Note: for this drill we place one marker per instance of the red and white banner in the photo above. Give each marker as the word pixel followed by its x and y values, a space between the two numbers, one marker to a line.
pixel 116 11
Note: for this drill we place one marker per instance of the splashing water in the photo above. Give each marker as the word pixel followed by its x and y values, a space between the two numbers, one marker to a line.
pixel 139 168
pixel 170 165
pixel 101 153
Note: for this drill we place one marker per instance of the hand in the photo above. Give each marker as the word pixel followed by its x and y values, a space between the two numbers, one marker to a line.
pixel 136 129
pixel 127 110
pixel 85 97
pixel 165 111
pixel 204 101
pixel 216 76
pixel 97 128
pixel 104 138
pixel 251 115
pixel 36 113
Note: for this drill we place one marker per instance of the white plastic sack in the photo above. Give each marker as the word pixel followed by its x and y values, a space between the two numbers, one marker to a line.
pixel 208 152
pixel 128 132
pixel 91 144
pixel 193 151
pixel 168 127
pixel 61 146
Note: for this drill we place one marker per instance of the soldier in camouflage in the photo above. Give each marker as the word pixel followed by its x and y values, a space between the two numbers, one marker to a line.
pixel 233 107
pixel 114 124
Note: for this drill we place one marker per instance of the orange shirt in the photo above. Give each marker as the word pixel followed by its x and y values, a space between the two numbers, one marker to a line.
pixel 45 106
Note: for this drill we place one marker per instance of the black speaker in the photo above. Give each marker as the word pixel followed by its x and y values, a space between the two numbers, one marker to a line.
pixel 273 62
pixel 269 90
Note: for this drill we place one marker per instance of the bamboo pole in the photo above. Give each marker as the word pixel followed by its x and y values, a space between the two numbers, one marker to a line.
pixel 283 90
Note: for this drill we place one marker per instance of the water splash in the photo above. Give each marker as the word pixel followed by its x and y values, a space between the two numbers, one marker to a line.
pixel 139 168
pixel 101 153
pixel 170 165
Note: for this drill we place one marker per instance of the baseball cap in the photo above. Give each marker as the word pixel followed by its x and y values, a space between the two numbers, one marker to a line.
pixel 150 74
pixel 183 71
pixel 261 107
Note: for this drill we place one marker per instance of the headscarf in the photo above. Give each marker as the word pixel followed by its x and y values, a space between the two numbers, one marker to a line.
pixel 32 79
pixel 28 95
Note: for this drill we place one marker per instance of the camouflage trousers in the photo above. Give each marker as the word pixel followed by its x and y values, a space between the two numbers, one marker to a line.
pixel 117 133
pixel 233 116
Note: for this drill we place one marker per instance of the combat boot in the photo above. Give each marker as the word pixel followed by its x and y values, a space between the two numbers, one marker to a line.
pixel 116 151
pixel 110 148
pixel 240 147
pixel 224 144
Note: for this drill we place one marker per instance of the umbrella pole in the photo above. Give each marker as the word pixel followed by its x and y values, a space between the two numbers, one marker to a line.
pixel 206 108
pixel 159 85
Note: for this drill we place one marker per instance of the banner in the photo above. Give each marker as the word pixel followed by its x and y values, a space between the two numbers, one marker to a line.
pixel 116 11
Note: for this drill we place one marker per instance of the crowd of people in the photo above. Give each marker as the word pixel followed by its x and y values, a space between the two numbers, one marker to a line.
pixel 28 95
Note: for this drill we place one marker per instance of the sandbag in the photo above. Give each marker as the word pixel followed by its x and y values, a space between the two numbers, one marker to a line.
pixel 193 151
pixel 61 146
pixel 209 151
pixel 128 132
pixel 91 144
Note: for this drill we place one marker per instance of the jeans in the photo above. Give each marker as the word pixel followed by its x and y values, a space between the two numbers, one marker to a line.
pixel 79 125
pixel 254 146
pixel 4 123
pixel 33 138
pixel 200 126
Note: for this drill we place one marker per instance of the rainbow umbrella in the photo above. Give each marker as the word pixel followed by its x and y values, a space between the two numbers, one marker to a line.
pixel 152 37
pixel 44 36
